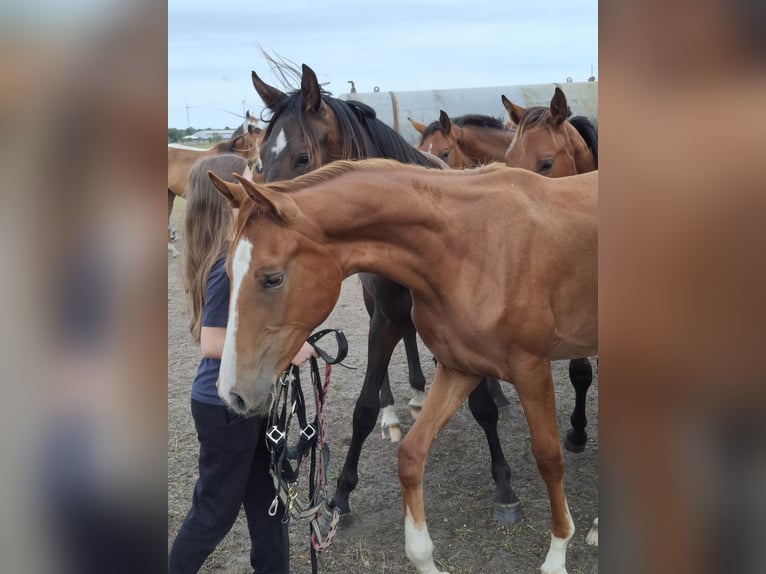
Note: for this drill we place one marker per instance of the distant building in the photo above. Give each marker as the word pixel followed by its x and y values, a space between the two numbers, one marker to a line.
pixel 209 135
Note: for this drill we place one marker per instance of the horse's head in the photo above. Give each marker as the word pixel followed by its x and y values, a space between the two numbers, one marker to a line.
pixel 442 139
pixel 284 283
pixel 546 142
pixel 248 142
pixel 303 132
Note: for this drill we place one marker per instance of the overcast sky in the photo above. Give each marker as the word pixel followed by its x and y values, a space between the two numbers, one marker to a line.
pixel 395 45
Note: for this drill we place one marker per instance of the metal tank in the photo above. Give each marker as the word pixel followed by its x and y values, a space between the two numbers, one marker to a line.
pixel 393 108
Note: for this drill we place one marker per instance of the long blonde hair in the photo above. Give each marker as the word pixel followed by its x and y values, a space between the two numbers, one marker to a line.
pixel 207 227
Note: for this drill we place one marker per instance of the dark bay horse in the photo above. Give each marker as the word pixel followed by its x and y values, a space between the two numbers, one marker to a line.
pixel 465 141
pixel 307 129
pixel 473 140
pixel 554 144
pixel 532 239
pixel 245 141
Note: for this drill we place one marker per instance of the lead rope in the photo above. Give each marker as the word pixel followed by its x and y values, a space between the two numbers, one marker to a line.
pixel 312 437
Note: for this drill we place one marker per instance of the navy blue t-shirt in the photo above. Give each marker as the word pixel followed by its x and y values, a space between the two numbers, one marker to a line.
pixel 215 312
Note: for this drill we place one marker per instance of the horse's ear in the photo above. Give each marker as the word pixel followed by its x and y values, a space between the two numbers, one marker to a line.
pixel 559 107
pixel 312 95
pixel 232 192
pixel 279 204
pixel 514 112
pixel 269 94
pixel 420 128
pixel 445 122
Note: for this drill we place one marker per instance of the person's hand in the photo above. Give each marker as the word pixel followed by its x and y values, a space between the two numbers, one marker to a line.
pixel 305 353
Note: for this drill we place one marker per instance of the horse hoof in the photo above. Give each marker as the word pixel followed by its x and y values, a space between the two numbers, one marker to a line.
pixel 592 537
pixel 575 444
pixel 508 513
pixel 392 433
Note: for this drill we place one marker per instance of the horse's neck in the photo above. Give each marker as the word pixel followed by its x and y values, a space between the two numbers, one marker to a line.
pixel 485 145
pixel 381 226
pixel 583 156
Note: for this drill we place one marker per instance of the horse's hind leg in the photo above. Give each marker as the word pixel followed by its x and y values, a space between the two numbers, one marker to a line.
pixel 581 375
pixel 383 337
pixel 417 378
pixel 484 410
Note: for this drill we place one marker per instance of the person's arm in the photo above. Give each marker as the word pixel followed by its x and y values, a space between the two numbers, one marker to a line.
pixel 211 341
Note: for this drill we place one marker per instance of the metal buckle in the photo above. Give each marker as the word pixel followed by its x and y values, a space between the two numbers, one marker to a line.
pixel 308 432
pixel 275 432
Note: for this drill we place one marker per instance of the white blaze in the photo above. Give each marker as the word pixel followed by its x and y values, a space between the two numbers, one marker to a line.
pixel 280 144
pixel 239 266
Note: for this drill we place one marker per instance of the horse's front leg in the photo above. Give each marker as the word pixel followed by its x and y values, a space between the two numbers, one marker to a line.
pixel 448 391
pixel 383 337
pixel 534 385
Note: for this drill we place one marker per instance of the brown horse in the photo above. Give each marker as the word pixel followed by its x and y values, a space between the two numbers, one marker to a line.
pixel 554 144
pixel 307 129
pixel 548 142
pixel 474 140
pixel 464 141
pixel 245 141
pixel 525 245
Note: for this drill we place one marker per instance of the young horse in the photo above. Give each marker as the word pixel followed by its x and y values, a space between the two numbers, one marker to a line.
pixel 473 140
pixel 549 143
pixel 465 141
pixel 308 128
pixel 245 141
pixel 532 240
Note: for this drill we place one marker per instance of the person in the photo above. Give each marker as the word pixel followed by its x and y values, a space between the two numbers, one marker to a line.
pixel 233 457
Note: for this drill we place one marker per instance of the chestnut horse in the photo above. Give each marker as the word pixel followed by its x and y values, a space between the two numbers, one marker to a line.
pixel 309 128
pixel 464 141
pixel 531 240
pixel 554 144
pixel 245 141
pixel 473 140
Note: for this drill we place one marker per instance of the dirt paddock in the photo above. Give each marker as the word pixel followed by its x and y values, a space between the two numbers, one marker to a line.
pixel 458 485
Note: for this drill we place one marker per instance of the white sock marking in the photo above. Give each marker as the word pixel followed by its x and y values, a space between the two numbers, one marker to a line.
pixel 419 546
pixel 555 561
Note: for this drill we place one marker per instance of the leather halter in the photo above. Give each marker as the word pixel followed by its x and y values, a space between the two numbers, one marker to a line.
pixel 286 460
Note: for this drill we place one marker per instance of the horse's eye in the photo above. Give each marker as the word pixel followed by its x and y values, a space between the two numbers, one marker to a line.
pixel 303 159
pixel 545 166
pixel 445 155
pixel 273 280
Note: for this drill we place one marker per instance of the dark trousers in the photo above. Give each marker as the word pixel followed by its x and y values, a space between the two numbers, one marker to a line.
pixel 233 472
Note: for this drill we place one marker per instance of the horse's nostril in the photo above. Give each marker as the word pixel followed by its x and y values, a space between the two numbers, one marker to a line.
pixel 237 402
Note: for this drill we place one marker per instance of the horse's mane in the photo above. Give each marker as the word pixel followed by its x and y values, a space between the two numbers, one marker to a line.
pixel 589 133
pixel 473 120
pixel 355 120
pixel 583 125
